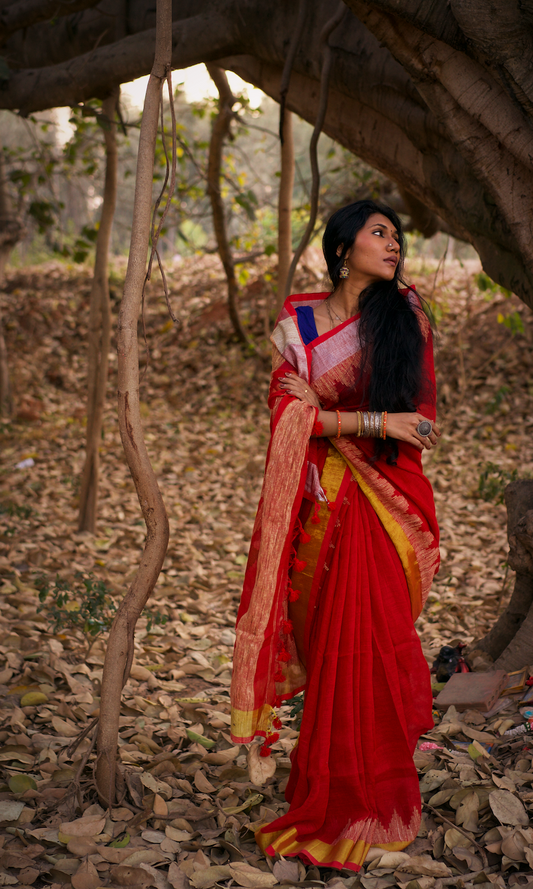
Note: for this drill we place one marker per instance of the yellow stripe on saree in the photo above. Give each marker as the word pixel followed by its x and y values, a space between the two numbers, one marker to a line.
pixel 331 480
pixel 414 547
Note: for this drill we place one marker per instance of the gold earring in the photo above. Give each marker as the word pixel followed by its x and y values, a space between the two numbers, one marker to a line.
pixel 344 270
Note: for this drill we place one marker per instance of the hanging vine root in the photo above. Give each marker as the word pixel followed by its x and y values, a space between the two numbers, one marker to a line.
pixel 289 62
pixel 327 64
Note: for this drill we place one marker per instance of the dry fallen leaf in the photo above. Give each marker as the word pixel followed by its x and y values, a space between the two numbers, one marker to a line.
pixel 464 854
pixel 88 826
pixel 503 783
pixel 202 783
pixel 467 812
pixel 81 846
pixel 176 877
pixel 286 869
pixel 260 768
pixel 513 847
pixel 425 865
pixel 86 877
pixel 528 852
pixel 207 877
pixel 508 809
pixel 130 876
pixel 392 859
pixel 246 875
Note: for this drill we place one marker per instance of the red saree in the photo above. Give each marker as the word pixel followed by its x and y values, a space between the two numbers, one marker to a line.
pixel 342 557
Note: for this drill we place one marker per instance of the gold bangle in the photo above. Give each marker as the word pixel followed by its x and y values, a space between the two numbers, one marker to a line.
pixel 338 425
pixel 384 433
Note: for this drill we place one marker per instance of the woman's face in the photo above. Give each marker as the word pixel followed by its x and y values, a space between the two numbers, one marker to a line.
pixel 376 250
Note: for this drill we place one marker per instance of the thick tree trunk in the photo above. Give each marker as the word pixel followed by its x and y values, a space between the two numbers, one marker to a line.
pixel 510 641
pixel 119 654
pixel 286 184
pixel 99 329
pixel 219 132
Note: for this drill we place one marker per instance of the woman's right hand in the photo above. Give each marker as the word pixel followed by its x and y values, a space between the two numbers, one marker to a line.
pixel 403 427
pixel 294 385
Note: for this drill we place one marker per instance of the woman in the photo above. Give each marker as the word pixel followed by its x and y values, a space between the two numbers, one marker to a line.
pixel 344 549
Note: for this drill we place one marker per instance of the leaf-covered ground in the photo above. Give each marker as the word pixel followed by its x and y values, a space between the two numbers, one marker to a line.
pixel 189 806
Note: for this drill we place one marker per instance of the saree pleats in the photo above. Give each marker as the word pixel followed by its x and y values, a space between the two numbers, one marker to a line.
pixel 367 702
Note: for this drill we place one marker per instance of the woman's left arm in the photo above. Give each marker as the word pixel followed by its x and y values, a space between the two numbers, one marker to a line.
pixel 401 426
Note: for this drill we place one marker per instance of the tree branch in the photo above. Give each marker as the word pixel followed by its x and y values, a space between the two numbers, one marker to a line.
pixel 503 40
pixel 471 86
pixel 96 73
pixel 435 19
pixel 424 162
pixel 494 137
pixel 24 13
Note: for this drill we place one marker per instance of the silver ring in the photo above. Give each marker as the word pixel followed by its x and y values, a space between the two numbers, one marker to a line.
pixel 424 428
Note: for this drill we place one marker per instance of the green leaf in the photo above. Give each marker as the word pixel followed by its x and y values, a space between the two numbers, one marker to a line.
pixel 33 699
pixel 474 752
pixel 21 783
pixel 205 742
pixel 253 800
pixel 120 843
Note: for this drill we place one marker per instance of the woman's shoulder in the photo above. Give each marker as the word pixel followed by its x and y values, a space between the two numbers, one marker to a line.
pixel 304 300
pixel 288 316
pixel 287 335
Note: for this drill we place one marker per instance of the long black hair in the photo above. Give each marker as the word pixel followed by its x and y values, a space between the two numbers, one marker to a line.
pixel 389 330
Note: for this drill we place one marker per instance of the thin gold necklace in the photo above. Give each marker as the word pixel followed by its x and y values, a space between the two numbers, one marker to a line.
pixel 330 310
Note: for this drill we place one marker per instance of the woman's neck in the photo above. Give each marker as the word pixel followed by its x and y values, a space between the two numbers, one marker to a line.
pixel 345 298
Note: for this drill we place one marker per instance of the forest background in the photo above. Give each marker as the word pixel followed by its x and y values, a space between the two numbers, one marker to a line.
pixel 205 420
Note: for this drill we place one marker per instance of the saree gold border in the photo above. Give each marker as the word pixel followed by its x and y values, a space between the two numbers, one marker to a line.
pixel 399 538
pixel 282 479
pixel 245 723
pixel 343 852
pixel 331 480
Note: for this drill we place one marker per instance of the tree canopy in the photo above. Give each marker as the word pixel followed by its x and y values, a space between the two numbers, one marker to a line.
pixel 439 97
